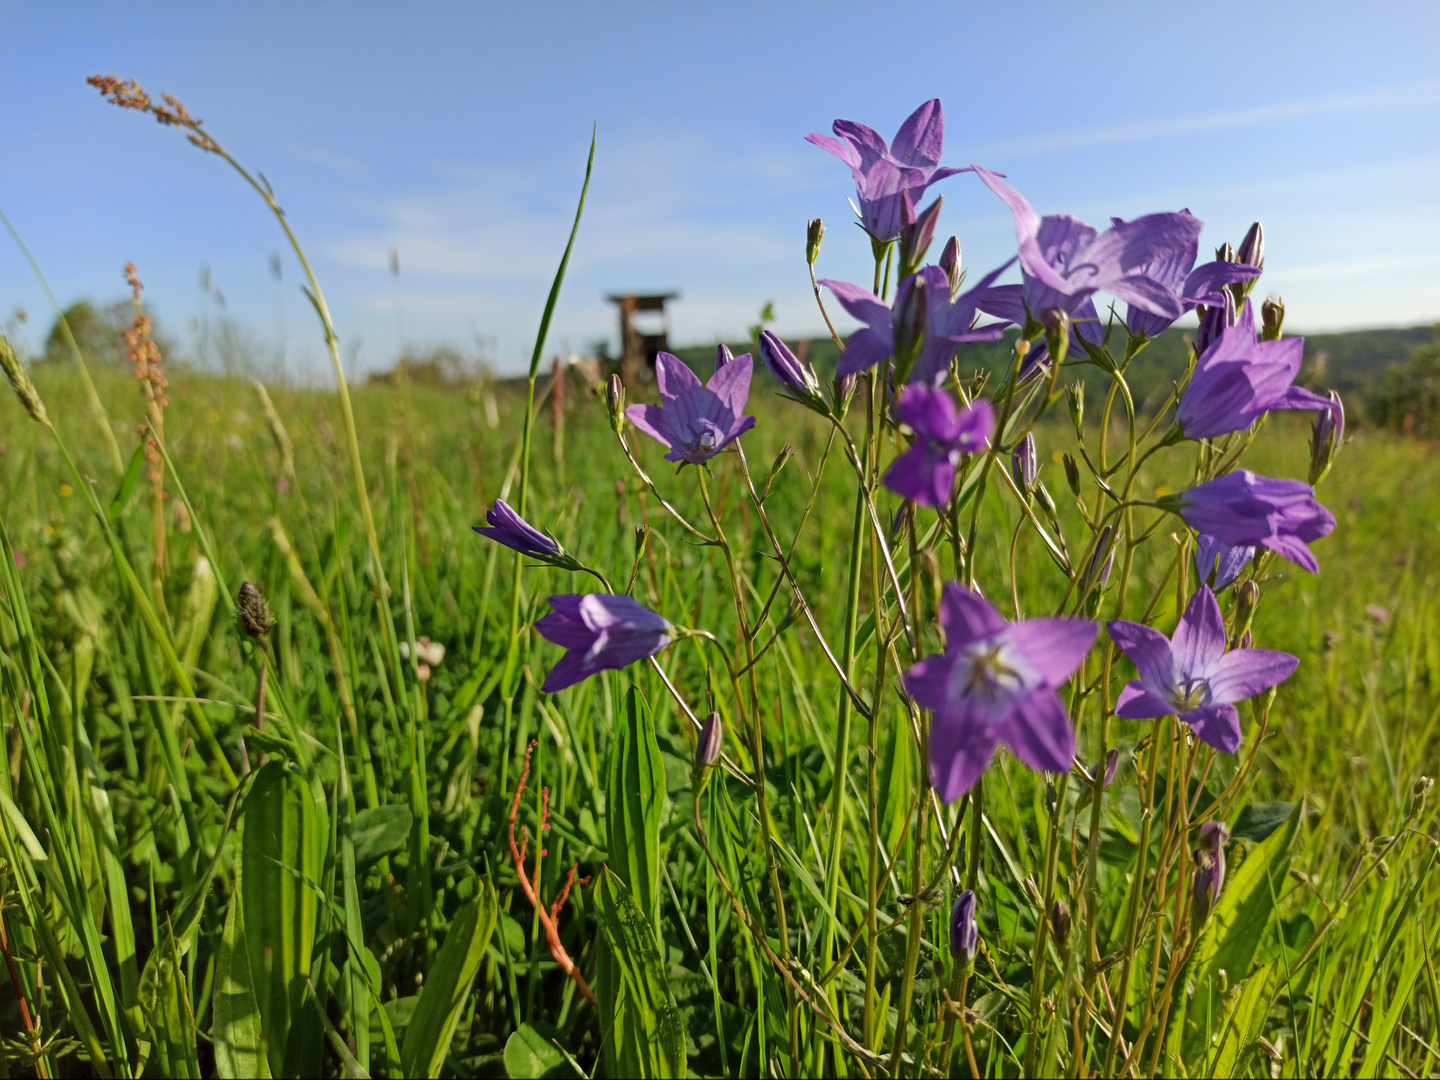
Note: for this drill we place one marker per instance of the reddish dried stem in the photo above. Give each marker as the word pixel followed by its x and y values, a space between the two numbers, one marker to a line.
pixel 532 888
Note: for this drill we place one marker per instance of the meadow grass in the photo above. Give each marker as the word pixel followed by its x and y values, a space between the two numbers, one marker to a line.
pixel 1349 735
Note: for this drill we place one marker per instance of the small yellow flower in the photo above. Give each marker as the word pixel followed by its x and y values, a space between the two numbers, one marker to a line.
pixel 1057 457
pixel 66 491
pixel 213 416
pixel 1162 491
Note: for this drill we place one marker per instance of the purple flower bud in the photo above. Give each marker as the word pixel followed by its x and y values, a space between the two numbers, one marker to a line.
pixel 1209 872
pixel 844 389
pixel 1272 319
pixel 1252 248
pixel 915 237
pixel 1072 474
pixel 1325 438
pixel 709 742
pixel 950 263
pixel 1023 466
pixel 964 931
pixel 1217 319
pixel 1112 761
pixel 814 233
pixel 794 376
pixel 509 528
pixel 1225 253
pixel 912 311
pixel 1246 639
pixel 723 356
pixel 1060 923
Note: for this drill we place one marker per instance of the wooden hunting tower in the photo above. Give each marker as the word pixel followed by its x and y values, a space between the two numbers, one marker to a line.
pixel 638 348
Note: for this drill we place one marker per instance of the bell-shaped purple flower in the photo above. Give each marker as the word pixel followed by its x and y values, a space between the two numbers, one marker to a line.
pixel 1190 675
pixel 886 172
pixel 1008 302
pixel 1240 378
pixel 1245 510
pixel 948 323
pixel 509 528
pixel 600 632
pixel 1065 261
pixel 1191 284
pixel 995 684
pixel 926 471
pixel 697 421
pixel 1220 559
pixel 964 930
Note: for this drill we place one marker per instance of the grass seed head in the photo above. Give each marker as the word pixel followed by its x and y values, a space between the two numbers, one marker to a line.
pixel 20 380
pixel 253 612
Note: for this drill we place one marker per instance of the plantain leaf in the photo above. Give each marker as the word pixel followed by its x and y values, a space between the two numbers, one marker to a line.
pixel 531 1055
pixel 236 1032
pixel 640 1019
pixel 379 832
pixel 432 1026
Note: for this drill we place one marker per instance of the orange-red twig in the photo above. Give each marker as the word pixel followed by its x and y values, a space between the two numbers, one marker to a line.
pixel 531 888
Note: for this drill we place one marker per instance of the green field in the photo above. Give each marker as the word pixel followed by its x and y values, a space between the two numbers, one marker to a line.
pixel 128 872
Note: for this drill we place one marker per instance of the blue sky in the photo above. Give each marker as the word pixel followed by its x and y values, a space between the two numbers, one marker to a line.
pixel 457 135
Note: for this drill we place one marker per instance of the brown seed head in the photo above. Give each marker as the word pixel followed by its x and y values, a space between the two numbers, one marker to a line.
pixel 253 612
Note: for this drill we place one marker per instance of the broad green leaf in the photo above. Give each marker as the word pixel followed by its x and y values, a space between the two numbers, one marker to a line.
pixel 284 828
pixel 379 832
pixel 447 988
pixel 635 803
pixel 1258 820
pixel 1244 1024
pixel 165 1006
pixel 640 1019
pixel 530 1054
pixel 237 1035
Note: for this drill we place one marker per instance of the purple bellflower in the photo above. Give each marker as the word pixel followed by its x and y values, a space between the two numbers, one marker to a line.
pixel 947 324
pixel 926 471
pixel 697 421
pixel 600 632
pixel 1065 261
pixel 509 528
pixel 1190 675
pixel 995 683
pixel 1245 510
pixel 886 172
pixel 1223 560
pixel 1191 284
pixel 1209 872
pixel 797 378
pixel 964 931
pixel 1239 378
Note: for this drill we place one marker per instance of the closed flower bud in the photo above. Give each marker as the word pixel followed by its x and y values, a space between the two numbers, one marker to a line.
pixel 252 611
pixel 1072 474
pixel 789 372
pixel 1216 319
pixel 1247 596
pixel 615 402
pixel 709 742
pixel 20 380
pixel 1047 503
pixel 1097 570
pixel 1023 466
pixel 1252 248
pixel 915 238
pixel 1225 253
pixel 1418 792
pixel 1057 335
pixel 844 390
pixel 723 356
pixel 1246 640
pixel 642 539
pixel 1075 399
pixel 912 310
pixel 1325 438
pixel 964 931
pixel 1209 873
pixel 1060 923
pixel 950 263
pixel 814 233
pixel 1272 319
pixel 1112 762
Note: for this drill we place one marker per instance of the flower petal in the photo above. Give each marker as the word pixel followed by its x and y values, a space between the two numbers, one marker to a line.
pixel 568 670
pixel 1137 703
pixel 1215 725
pixel 1150 652
pixel 731 383
pixel 1039 732
pixel 864 349
pixel 674 376
pixel 921 137
pixel 840 148
pixel 959 752
pixel 931 414
pixel 928 681
pixel 655 422
pixel 922 474
pixel 966 616
pixel 1054 646
pixel 1199 638
pixel 860 304
pixel 1244 673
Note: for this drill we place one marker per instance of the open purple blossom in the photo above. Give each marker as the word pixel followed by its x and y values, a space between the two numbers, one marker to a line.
pixel 995 684
pixel 1065 261
pixel 1008 302
pixel 925 473
pixel 1190 675
pixel 1245 510
pixel 697 421
pixel 947 324
pixel 885 172
pixel 1191 284
pixel 600 632
pixel 1239 378
pixel 509 528
pixel 1223 560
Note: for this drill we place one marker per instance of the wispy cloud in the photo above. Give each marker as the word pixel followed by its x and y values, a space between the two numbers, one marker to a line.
pixel 1413 95
pixel 1356 268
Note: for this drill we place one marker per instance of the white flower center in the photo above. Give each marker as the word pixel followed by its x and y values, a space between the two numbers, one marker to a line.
pixel 990 672
pixel 1189 694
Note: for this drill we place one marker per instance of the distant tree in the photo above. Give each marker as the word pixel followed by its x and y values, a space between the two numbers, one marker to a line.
pixel 96 333
pixel 1408 396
